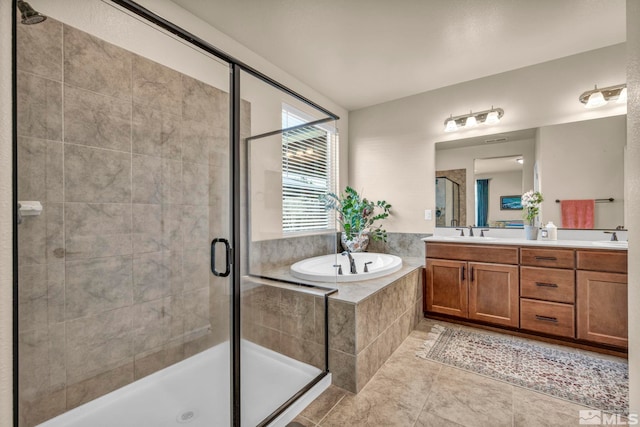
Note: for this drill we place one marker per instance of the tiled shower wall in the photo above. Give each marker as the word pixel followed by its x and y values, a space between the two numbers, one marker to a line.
pixel 130 161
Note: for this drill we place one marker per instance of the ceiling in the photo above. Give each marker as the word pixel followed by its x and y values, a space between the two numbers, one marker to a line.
pixel 364 52
pixel 497 164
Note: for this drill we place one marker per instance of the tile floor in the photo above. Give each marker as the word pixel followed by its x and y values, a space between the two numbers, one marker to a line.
pixel 408 391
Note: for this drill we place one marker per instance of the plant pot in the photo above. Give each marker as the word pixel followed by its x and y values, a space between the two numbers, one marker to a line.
pixel 531 232
pixel 359 243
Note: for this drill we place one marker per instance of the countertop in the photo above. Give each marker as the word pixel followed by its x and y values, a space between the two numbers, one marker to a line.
pixel 582 244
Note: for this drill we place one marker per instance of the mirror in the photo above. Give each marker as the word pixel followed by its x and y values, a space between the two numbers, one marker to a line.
pixel 572 161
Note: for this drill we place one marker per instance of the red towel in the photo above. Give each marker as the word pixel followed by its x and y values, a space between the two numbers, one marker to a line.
pixel 577 213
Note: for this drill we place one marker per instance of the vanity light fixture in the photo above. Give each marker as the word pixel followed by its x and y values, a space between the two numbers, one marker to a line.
pixel 487 117
pixel 598 97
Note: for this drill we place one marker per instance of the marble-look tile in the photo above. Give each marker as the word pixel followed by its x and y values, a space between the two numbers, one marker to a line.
pixel 470 400
pixel 33 304
pixel 165 357
pixel 151 276
pixel 343 369
pixel 199 342
pixel 93 64
pixel 98 344
pixel 319 312
pixel 55 292
pixel 146 179
pixel 36 410
pixel 172 228
pixel 301 421
pixel 97 285
pixel 39 49
pixel 99 385
pixel 97 230
pixel 155 133
pixel 39 170
pixel 427 419
pixel 371 408
pixel 196 136
pixel 368 321
pixel 342 326
pixel 329 398
pixel 196 268
pixel 297 317
pixel 531 409
pixel 41 238
pixel 303 350
pixel 196 311
pixel 156 85
pixel 172 182
pixel 96 120
pixel 42 367
pixel 156 323
pixel 55 244
pixel 367 364
pixel 204 103
pixel 195 225
pixel 401 244
pixel 263 336
pixel 39 109
pixel 98 176
pixel 146 228
pixel 195 190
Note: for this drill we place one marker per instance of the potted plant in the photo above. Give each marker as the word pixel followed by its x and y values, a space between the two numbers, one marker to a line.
pixel 357 216
pixel 531 208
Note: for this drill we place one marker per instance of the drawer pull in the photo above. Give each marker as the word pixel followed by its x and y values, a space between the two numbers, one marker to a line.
pixel 547 318
pixel 546 258
pixel 546 285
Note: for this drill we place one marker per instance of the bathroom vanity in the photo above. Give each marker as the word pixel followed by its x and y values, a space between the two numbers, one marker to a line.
pixel 573 291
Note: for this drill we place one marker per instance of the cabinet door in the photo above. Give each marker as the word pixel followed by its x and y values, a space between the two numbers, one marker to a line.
pixel 447 287
pixel 602 307
pixel 494 293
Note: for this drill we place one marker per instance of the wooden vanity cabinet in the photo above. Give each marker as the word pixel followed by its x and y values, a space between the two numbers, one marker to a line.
pixel 462 287
pixel 602 297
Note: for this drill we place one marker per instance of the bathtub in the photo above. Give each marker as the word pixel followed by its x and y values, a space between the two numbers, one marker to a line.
pixel 195 392
pixel 321 268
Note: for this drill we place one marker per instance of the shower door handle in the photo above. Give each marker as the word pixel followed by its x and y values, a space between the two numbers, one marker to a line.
pixel 227 250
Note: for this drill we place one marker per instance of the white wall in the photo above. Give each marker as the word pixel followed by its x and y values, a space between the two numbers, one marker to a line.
pixel 584 160
pixel 403 132
pixel 463 158
pixel 6 233
pixel 632 180
pixel 502 184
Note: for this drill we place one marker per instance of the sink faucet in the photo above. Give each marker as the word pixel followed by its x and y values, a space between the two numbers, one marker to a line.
pixel 352 262
pixel 614 236
pixel 470 231
pixel 461 230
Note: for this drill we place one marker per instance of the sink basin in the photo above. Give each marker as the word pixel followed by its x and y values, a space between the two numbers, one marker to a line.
pixel 609 243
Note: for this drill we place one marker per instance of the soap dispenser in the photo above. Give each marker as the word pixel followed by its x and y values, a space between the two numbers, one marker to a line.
pixel 552 231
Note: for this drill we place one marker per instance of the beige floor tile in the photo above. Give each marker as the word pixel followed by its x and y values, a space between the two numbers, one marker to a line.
pixel 427 419
pixel 320 407
pixel 370 408
pixel 301 421
pixel 531 409
pixel 470 400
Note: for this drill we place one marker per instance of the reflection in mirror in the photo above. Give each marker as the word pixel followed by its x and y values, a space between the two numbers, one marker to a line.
pixel 566 162
pixel 447 202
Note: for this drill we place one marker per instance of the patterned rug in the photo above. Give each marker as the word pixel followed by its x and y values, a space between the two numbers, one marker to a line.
pixel 590 381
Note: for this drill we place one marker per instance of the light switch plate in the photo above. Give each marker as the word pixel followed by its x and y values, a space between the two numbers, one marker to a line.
pixel 427 215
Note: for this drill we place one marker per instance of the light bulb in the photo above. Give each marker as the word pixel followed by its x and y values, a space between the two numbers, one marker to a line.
pixel 451 126
pixel 596 99
pixel 492 118
pixel 471 122
pixel 622 98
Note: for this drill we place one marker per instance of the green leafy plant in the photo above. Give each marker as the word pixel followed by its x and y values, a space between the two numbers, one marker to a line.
pixel 357 214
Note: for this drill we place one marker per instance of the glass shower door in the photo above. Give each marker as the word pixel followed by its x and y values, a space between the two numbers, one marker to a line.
pixel 121 321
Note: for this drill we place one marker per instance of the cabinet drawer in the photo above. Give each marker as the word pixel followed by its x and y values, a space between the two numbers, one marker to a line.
pixel 557 258
pixel 475 252
pixel 547 317
pixel 613 261
pixel 549 284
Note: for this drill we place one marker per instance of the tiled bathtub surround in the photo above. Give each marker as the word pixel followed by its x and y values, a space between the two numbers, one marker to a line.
pixel 130 161
pixel 400 244
pixel 267 254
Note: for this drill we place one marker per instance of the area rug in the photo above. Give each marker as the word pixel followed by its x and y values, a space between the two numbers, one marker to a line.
pixel 580 378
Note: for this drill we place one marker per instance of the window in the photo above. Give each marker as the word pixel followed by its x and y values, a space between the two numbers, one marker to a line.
pixel 308 171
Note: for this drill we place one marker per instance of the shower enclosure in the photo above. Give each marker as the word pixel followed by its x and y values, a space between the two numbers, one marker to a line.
pixel 447 203
pixel 150 179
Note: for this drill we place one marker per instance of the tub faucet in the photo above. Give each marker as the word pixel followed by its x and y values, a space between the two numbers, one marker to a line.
pixel 352 262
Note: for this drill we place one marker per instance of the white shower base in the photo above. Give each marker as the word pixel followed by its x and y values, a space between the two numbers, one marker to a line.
pixel 195 392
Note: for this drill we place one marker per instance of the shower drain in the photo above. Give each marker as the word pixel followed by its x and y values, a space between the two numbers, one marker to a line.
pixel 186 416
